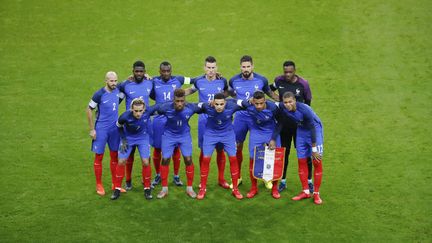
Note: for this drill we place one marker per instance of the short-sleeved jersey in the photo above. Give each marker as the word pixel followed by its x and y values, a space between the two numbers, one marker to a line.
pixel 300 88
pixel 207 89
pixel 177 121
pixel 135 128
pixel 219 122
pixel 107 107
pixel 132 90
pixel 304 116
pixel 244 89
pixel 163 91
pixel 264 120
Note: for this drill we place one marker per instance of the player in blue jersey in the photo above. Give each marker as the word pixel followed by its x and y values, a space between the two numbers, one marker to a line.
pixel 219 131
pixel 134 133
pixel 242 86
pixel 176 133
pixel 309 142
pixel 263 130
pixel 137 87
pixel 163 91
pixel 103 131
pixel 208 85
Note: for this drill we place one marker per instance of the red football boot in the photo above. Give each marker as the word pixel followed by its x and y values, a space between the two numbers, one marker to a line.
pixel 317 199
pixel 201 194
pixel 276 194
pixel 100 190
pixel 237 194
pixel 224 184
pixel 252 193
pixel 301 196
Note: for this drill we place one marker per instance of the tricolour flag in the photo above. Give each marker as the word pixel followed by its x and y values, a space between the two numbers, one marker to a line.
pixel 268 164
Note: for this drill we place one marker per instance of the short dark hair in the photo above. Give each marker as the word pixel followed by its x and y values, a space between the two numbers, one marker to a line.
pixel 138 64
pixel 179 93
pixel 289 63
pixel 288 94
pixel 258 95
pixel 210 59
pixel 246 58
pixel 164 63
pixel 219 96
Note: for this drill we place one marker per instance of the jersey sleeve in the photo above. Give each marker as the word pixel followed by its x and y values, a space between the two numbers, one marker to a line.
pixel 225 84
pixel 196 107
pixel 122 119
pixel 95 100
pixel 152 92
pixel 309 124
pixel 307 92
pixel 265 88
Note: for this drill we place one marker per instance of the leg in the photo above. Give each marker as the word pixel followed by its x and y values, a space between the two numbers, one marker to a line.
pixel 204 171
pixel 221 161
pixel 97 166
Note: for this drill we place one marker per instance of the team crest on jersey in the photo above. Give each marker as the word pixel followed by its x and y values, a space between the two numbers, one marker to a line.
pixel 297 92
pixel 148 91
pixel 174 86
pixel 219 89
pixel 256 87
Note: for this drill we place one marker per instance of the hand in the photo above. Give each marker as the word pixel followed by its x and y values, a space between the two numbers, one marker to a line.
pixel 123 145
pixel 316 156
pixel 219 75
pixel 211 103
pixel 147 76
pixel 272 144
pixel 130 78
pixel 93 134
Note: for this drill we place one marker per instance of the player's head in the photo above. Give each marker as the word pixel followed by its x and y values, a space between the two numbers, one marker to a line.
pixel 165 70
pixel 138 107
pixel 246 66
pixel 111 80
pixel 219 102
pixel 289 69
pixel 138 69
pixel 210 67
pixel 289 101
pixel 179 99
pixel 259 100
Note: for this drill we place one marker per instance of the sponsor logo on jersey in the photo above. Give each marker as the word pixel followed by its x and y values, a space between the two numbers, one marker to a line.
pixel 131 92
pixel 105 101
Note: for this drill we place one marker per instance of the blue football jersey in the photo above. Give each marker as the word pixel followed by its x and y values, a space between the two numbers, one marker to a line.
pixel 133 128
pixel 107 107
pixel 207 89
pixel 163 91
pixel 134 90
pixel 244 89
pixel 219 122
pixel 177 121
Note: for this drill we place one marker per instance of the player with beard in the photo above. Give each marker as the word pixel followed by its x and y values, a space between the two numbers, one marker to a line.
pixel 243 86
pixel 104 130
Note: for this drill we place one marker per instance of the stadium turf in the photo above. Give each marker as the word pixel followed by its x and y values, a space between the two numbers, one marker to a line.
pixel 369 67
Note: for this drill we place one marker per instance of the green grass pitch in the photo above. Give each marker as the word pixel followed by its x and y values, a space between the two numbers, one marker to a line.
pixel 369 67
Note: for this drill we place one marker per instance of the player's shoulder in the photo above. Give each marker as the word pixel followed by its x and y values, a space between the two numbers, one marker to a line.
pixel 302 81
pixel 271 105
pixel 260 77
pixel 236 77
pixel 279 79
pixel 125 115
pixel 98 94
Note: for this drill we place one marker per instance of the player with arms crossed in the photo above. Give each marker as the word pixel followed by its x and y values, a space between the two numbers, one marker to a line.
pixel 243 86
pixel 103 130
pixel 163 91
pixel 134 133
pixel 176 133
pixel 208 86
pixel 219 130
pixel 290 81
pixel 137 87
pixel 309 143
pixel 263 130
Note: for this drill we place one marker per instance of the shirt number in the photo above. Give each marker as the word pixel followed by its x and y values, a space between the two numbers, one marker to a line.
pixel 114 106
pixel 179 123
pixel 247 95
pixel 167 96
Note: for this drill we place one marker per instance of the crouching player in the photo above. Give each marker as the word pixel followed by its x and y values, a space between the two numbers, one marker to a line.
pixel 176 133
pixel 133 129
pixel 264 129
pixel 309 142
pixel 219 130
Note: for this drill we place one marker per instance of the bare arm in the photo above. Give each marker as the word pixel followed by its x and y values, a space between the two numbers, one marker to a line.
pixel 189 91
pixel 89 113
pixel 272 95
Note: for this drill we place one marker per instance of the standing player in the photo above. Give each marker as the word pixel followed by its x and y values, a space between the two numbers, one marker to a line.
pixel 134 132
pixel 291 82
pixel 208 86
pixel 219 130
pixel 163 91
pixel 263 129
pixel 176 133
pixel 309 142
pixel 242 86
pixel 104 131
pixel 137 87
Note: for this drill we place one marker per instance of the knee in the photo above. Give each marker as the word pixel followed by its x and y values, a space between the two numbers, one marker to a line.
pixel 188 160
pixel 122 161
pixel 165 161
pixel 145 162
